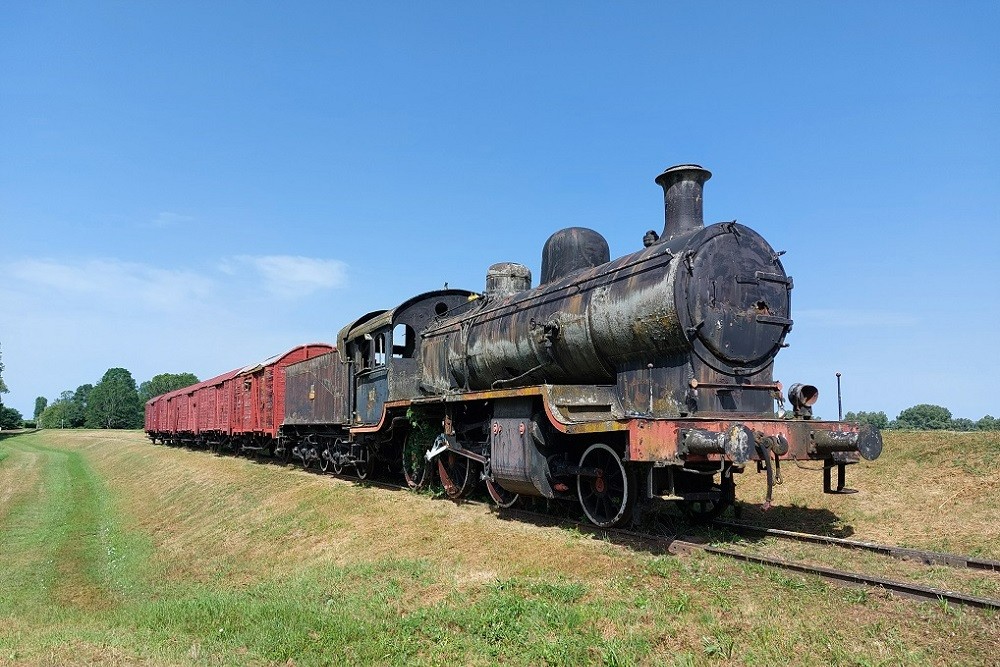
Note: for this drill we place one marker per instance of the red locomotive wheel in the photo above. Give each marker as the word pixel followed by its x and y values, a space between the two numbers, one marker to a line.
pixel 455 472
pixel 608 498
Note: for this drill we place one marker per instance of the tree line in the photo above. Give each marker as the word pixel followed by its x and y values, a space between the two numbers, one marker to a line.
pixel 114 402
pixel 925 417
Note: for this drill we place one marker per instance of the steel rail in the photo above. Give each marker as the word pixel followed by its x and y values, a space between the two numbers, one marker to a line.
pixel 901 588
pixel 675 545
pixel 901 553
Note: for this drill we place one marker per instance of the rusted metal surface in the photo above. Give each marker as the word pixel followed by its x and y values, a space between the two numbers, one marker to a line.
pixel 507 278
pixel 571 250
pixel 317 391
pixel 385 350
pixel 259 391
pixel 682 199
pixel 899 553
pixel 245 400
pixel 662 357
pixel 516 462
pixel 660 440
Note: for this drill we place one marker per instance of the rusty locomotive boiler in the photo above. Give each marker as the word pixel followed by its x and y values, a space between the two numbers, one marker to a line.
pixel 610 384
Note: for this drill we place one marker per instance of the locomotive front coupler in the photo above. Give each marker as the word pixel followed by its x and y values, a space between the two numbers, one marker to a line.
pixel 867 441
pixel 735 443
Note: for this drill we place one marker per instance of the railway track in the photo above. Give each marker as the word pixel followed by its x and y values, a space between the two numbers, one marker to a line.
pixel 677 545
pixel 900 553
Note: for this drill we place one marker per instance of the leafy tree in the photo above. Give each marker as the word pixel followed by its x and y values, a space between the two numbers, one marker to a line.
pixel 924 417
pixel 67 411
pixel 80 400
pixel 40 404
pixel 988 423
pixel 164 382
pixel 876 419
pixel 114 402
pixel 3 385
pixel 10 418
pixel 963 424
pixel 61 414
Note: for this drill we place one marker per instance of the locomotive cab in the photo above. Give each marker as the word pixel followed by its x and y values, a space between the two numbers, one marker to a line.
pixel 384 349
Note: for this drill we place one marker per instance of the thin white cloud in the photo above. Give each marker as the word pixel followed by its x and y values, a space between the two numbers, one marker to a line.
pixel 166 219
pixel 289 276
pixel 66 321
pixel 112 284
pixel 845 318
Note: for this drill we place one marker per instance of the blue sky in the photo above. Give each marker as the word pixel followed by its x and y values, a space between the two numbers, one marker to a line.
pixel 196 186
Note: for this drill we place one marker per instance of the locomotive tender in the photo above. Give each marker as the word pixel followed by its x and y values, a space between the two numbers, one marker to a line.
pixel 608 384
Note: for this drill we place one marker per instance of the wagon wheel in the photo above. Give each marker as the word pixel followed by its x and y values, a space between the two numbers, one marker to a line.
pixel 501 496
pixel 363 464
pixel 336 462
pixel 416 470
pixel 324 459
pixel 608 498
pixel 711 502
pixel 456 475
pixel 704 510
pixel 304 456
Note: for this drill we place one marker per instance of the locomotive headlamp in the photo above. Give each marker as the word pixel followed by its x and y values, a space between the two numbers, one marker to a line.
pixel 803 397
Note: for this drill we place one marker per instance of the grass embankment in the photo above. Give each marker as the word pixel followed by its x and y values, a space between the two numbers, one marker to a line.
pixel 115 551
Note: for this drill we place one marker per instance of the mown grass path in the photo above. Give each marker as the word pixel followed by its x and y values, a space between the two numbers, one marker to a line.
pixel 113 551
pixel 56 527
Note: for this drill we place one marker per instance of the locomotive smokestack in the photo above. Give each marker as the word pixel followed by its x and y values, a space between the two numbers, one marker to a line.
pixel 682 195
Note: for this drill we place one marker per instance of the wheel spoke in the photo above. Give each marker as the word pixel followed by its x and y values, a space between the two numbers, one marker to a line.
pixel 606 499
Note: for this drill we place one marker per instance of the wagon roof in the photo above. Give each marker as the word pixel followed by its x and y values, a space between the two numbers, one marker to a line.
pixel 219 379
pixel 270 361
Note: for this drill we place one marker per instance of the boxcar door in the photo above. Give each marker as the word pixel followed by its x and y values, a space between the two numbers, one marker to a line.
pixel 267 401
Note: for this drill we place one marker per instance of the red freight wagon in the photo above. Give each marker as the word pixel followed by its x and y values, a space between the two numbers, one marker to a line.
pixel 241 409
pixel 258 393
pixel 213 408
pixel 191 414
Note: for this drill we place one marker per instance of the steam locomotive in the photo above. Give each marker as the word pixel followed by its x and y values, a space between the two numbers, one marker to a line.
pixel 609 384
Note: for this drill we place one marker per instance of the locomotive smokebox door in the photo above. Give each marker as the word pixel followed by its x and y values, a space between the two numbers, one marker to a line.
pixel 515 460
pixel 737 323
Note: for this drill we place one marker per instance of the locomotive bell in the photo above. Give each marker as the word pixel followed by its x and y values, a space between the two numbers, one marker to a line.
pixel 682 199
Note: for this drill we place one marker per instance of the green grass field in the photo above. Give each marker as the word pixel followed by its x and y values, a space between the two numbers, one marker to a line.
pixel 114 551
